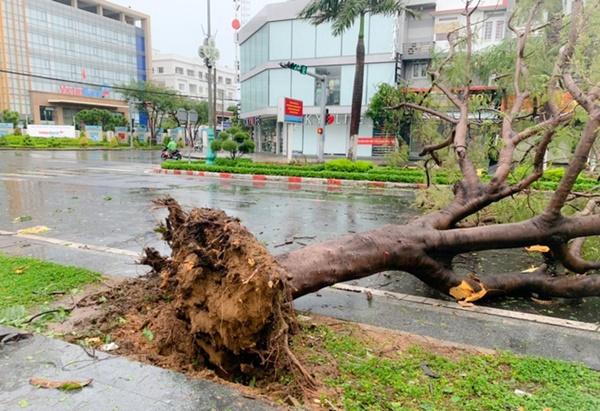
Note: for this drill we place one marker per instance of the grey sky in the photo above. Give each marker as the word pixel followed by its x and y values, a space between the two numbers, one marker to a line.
pixel 177 25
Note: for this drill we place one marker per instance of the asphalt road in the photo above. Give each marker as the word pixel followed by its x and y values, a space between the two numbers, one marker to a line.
pixel 104 198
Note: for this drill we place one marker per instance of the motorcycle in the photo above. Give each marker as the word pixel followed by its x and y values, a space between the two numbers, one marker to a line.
pixel 167 155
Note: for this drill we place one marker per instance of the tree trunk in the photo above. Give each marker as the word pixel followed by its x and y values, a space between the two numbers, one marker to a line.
pixel 357 91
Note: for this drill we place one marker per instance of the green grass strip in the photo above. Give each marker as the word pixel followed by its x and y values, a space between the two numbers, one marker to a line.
pixel 27 281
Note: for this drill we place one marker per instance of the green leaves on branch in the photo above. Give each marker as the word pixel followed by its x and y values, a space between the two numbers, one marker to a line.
pixel 235 141
pixel 95 117
pixel 7 116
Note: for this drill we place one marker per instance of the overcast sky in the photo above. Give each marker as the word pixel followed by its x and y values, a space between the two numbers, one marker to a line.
pixel 178 25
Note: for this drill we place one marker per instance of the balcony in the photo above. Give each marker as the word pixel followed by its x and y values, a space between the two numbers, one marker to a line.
pixel 417 50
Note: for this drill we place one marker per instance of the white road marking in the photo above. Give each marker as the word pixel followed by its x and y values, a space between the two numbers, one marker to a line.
pixel 71 244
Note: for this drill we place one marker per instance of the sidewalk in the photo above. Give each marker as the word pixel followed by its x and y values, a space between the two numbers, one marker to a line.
pixel 118 383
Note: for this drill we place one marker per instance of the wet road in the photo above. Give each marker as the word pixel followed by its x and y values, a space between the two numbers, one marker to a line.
pixel 104 198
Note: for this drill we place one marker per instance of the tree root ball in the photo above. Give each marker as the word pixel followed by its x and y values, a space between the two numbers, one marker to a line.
pixel 229 306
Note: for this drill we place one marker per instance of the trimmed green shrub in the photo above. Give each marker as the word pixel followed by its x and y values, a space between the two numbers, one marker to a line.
pixel 343 164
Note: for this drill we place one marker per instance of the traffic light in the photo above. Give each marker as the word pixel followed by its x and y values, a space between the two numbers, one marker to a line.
pixel 302 69
pixel 329 119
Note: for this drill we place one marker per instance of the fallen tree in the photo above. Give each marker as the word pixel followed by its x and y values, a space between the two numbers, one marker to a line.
pixel 230 301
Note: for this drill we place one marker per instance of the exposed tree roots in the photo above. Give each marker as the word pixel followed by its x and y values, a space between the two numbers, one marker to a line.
pixel 230 307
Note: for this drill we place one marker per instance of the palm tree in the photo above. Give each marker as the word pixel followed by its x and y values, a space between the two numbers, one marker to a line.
pixel 343 14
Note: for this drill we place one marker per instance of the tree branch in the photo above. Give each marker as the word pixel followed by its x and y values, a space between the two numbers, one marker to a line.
pixel 424 109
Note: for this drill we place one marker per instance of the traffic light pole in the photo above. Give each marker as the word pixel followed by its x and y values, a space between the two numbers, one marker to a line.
pixel 322 79
pixel 321 141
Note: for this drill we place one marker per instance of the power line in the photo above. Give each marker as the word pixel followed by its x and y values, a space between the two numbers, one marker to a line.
pixel 85 83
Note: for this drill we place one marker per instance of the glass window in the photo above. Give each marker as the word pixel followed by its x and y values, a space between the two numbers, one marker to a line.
pixel 47 113
pixel 328 45
pixel 228 81
pixel 279 85
pixel 178 70
pixel 303 39
pixel 383 73
pixel 334 76
pixel 161 70
pixel 220 80
pixel 181 87
pixel 200 75
pixel 303 88
pixel 381 33
pixel 191 73
pixel 280 40
pixel 193 89
pixel 419 70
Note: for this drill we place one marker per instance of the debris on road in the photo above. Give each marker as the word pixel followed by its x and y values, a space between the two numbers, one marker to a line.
pixel 69 385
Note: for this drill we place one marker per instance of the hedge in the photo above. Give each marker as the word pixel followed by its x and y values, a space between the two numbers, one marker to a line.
pixel 548 181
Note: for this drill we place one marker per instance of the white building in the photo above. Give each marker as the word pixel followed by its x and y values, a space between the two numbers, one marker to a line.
pixel 189 77
pixel 398 48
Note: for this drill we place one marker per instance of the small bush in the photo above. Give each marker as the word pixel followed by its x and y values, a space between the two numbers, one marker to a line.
pixel 343 164
pixel 398 158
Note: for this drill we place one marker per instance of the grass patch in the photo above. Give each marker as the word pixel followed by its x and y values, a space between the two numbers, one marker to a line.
pixel 25 281
pixel 359 375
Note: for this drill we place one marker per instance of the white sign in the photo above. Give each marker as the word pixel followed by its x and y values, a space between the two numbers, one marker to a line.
pixel 49 130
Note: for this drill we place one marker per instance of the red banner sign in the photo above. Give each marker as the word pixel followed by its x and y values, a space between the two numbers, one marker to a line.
pixel 293 107
pixel 377 141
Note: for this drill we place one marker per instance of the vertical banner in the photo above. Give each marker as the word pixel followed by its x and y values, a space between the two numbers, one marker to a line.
pixel 94 133
pixel 6 129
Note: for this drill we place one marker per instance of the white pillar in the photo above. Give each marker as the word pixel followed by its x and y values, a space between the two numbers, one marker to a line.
pixel 289 134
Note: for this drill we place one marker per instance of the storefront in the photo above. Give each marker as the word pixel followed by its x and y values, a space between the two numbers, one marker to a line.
pixel 52 108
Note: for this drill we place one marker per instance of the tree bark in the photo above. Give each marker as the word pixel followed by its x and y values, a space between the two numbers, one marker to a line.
pixel 357 90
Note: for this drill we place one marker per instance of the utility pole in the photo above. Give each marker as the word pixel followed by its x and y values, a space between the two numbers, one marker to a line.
pixel 322 79
pixel 210 54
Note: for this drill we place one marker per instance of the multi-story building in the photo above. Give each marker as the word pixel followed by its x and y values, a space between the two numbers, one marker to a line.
pixel 398 49
pixel 62 56
pixel 189 77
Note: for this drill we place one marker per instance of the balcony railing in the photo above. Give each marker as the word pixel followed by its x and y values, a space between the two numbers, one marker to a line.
pixel 417 48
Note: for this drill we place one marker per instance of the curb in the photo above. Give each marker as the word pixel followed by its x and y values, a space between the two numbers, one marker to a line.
pixel 294 182
pixel 479 309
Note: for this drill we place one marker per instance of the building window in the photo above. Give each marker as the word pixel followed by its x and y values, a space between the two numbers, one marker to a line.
pixel 419 70
pixel 334 77
pixel 228 81
pixel 200 75
pixel 191 73
pixel 220 80
pixel 178 70
pixel 47 113
pixel 161 70
pixel 193 89
pixel 181 87
pixel 220 94
pixel 444 26
pixel 493 29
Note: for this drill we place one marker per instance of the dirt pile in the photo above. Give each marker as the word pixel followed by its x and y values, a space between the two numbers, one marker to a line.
pixel 226 305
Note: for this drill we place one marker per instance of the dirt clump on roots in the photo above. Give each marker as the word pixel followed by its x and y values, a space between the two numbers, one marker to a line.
pixel 219 301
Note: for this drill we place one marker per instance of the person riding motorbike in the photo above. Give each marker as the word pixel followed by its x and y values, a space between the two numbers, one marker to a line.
pixel 172 147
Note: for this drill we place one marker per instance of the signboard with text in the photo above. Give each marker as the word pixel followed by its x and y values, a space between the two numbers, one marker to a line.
pixel 94 132
pixel 376 141
pixel 122 134
pixel 51 130
pixel 6 129
pixel 290 111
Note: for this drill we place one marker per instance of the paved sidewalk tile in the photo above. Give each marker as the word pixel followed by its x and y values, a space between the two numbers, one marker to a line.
pixel 118 383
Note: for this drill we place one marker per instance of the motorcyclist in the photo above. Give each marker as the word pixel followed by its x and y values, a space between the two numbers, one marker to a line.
pixel 172 147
